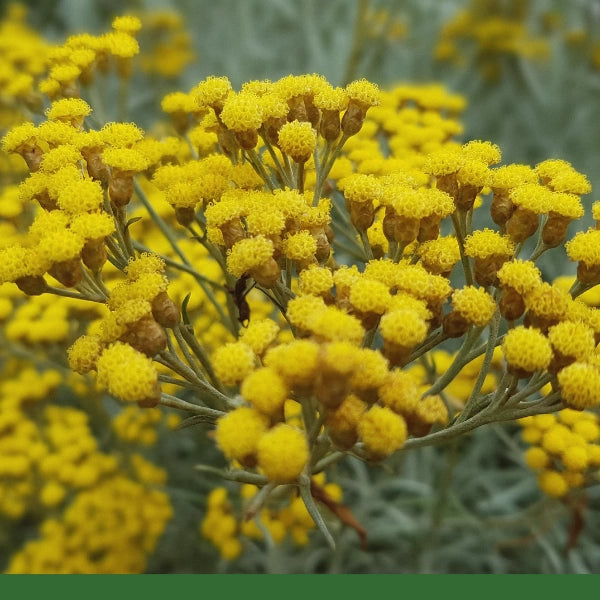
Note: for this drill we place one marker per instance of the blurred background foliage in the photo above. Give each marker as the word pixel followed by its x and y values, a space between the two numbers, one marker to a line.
pixel 530 71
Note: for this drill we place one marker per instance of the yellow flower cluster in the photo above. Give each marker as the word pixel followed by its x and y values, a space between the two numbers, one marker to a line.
pixel 225 530
pixel 564 450
pixel 492 32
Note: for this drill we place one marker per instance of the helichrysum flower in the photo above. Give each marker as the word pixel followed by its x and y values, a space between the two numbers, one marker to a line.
pixel 585 248
pixel 282 453
pixel 70 110
pixel 526 350
pixel 259 335
pixel 580 385
pixel 84 354
pixel 297 139
pixel 81 197
pixel 239 432
pixel 128 374
pixel 265 390
pixel 382 431
pixel 296 361
pixel 233 362
pixel 572 340
pixel 472 305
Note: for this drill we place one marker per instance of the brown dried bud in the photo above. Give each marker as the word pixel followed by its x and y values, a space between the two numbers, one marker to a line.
pixel 429 228
pixel 555 230
pixel 96 168
pixel 185 215
pixel 228 142
pixel 68 272
pixel 267 274
pixel 330 126
pixel 512 305
pixel 93 254
pixel 233 231
pixel 32 285
pixel 502 207
pixel 455 325
pixel 45 201
pixel 396 228
pixel 32 155
pixel 271 127
pixel 362 214
pixel 297 110
pixel 589 274
pixel 323 246
pixel 486 269
pixel 397 355
pixel 522 224
pixel 466 196
pixel 449 184
pixel 146 336
pixel 120 189
pixel 353 119
pixel 152 400
pixel 341 423
pixel 165 311
pixel 247 139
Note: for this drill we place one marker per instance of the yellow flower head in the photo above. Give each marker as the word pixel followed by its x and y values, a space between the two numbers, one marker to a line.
pixel 121 135
pixel 511 176
pixel 239 432
pixel 259 335
pixel 70 110
pixel 126 160
pixel 370 296
pixel 83 355
pixel 527 349
pixel 127 374
pixel 127 24
pixel 522 276
pixel 297 139
pixel 474 304
pixel 315 280
pixel 248 254
pixel 265 390
pixel 81 197
pixel 364 93
pixel 440 255
pixel 282 453
pixel 485 152
pixel 585 247
pixel 19 136
pixel 300 246
pixel 485 243
pixel 60 157
pixel 382 431
pixel 404 328
pixel 400 392
pixel 242 112
pixel 533 197
pixel 296 362
pixel 212 92
pixel 572 339
pixel 580 385
pixel 233 362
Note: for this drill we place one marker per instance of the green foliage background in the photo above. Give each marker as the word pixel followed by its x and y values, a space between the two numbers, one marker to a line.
pixel 472 506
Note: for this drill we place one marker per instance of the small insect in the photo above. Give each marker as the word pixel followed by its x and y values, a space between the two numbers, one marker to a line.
pixel 239 293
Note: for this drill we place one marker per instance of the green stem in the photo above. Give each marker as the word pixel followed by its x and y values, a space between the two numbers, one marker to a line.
pixel 233 475
pixel 200 353
pixel 460 237
pixel 358 42
pixel 312 509
pixel 174 402
pixel 65 293
pixel 258 166
pixel 458 363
